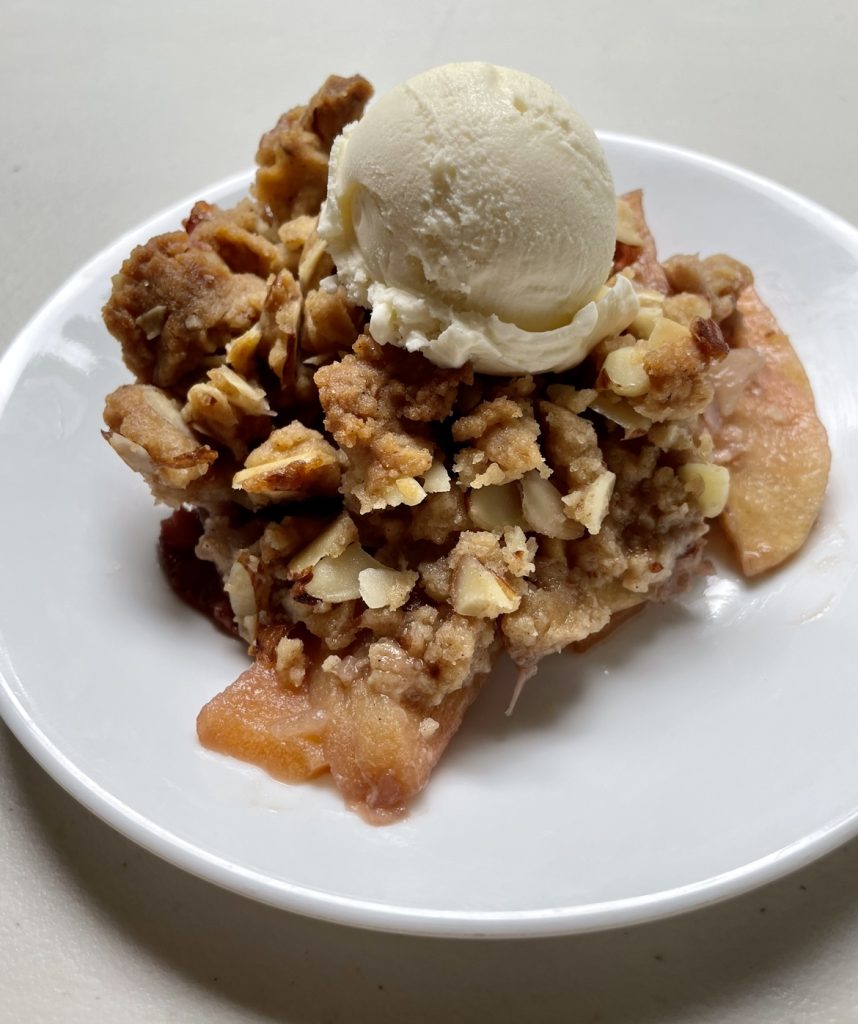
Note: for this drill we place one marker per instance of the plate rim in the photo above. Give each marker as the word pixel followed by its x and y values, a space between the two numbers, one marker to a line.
pixel 351 911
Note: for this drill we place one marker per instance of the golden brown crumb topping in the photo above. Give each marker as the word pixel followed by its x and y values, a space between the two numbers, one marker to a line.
pixel 292 177
pixel 174 304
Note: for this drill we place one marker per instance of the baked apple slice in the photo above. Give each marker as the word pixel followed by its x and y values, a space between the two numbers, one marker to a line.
pixel 773 443
pixel 308 714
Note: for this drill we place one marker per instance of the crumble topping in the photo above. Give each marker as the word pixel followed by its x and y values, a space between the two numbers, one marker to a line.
pixel 292 176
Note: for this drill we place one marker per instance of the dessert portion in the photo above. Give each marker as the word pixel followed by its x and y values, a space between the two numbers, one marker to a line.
pixel 465 411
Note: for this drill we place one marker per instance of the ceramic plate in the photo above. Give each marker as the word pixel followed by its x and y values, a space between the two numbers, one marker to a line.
pixel 707 747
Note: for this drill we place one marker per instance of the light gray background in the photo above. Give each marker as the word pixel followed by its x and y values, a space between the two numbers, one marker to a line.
pixel 113 110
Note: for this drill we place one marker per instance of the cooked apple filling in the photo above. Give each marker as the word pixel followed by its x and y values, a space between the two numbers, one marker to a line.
pixel 377 530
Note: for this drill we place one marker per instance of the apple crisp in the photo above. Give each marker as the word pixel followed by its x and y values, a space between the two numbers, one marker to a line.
pixel 378 530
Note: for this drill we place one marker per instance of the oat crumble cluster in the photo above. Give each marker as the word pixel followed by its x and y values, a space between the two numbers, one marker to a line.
pixel 378 530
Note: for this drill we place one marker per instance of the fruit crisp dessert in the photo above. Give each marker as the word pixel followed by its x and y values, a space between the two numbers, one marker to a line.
pixel 465 411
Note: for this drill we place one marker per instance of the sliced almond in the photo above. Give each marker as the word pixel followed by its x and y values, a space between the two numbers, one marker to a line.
pixel 480 593
pixel 294 460
pixel 667 332
pixel 437 479
pixel 410 491
pixel 311 257
pixel 493 508
pixel 618 410
pixel 250 398
pixel 708 484
pixel 151 323
pixel 686 307
pixel 590 504
pixel 134 455
pixel 242 598
pixel 338 579
pixel 651 304
pixel 671 436
pixel 330 543
pixel 386 588
pixel 543 509
pixel 625 372
pixel 518 551
pixel 241 351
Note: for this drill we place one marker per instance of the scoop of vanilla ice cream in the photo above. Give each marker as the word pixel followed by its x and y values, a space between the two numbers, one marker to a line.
pixel 472 210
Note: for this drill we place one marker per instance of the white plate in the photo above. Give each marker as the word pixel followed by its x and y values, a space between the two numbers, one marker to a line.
pixel 708 747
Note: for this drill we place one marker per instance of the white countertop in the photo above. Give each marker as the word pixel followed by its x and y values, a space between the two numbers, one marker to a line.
pixel 114 110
